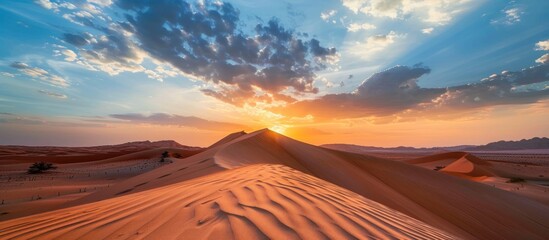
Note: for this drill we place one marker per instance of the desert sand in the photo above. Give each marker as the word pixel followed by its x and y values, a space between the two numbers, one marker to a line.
pixel 263 185
pixel 80 171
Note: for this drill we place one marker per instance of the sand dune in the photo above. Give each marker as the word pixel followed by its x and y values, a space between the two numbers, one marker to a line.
pixel 459 164
pixel 62 155
pixel 469 166
pixel 462 208
pixel 254 202
pixel 22 194
pixel 451 156
pixel 530 176
pixel 228 138
pixel 439 200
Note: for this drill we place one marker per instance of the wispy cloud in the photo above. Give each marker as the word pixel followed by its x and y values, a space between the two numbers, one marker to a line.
pixel 39 73
pixel 7 74
pixel 52 94
pixel 355 27
pixel 438 12
pixel 18 119
pixel 511 15
pixel 427 30
pixel 327 15
pixel 543 46
pixel 177 120
pixel 374 44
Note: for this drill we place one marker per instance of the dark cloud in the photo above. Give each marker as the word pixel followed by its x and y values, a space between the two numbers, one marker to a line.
pixel 178 120
pixel 518 87
pixel 383 93
pixel 396 90
pixel 19 65
pixel 207 41
pixel 52 94
pixel 111 52
pixel 75 39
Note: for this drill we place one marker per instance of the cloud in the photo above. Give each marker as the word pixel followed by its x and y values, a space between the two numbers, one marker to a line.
pixel 83 18
pixel 395 91
pixel 205 41
pixel 7 74
pixel 177 120
pixel 111 52
pixel 427 30
pixel 52 94
pixel 69 55
pixel 438 12
pixel 383 93
pixel 355 27
pixel 77 40
pixel 542 45
pixel 510 16
pixel 327 15
pixel 46 4
pixel 39 73
pixel 353 5
pixel 102 3
pixel 19 65
pixel 519 87
pixel 374 44
pixel 543 59
pixel 10 118
pixel 55 6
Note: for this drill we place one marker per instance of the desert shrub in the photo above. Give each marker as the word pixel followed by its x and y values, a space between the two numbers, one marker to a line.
pixel 515 180
pixel 40 167
pixel 164 155
pixel 437 168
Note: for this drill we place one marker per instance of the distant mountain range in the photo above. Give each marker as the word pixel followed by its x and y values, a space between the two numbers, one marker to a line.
pixel 534 143
pixel 156 144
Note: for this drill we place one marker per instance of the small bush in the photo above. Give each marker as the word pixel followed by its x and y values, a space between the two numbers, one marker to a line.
pixel 165 154
pixel 437 168
pixel 40 167
pixel 515 180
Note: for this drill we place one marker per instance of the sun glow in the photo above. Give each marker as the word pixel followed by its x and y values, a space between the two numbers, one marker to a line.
pixel 278 128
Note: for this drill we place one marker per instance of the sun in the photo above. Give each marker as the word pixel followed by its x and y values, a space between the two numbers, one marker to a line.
pixel 278 128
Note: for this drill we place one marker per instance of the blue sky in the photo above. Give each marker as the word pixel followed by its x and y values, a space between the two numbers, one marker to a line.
pixel 99 64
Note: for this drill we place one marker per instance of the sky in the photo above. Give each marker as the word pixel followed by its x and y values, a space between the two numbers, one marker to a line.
pixel 379 73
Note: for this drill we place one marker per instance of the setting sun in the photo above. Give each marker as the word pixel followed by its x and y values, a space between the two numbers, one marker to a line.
pixel 279 129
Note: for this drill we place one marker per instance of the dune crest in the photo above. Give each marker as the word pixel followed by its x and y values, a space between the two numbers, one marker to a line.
pixel 469 166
